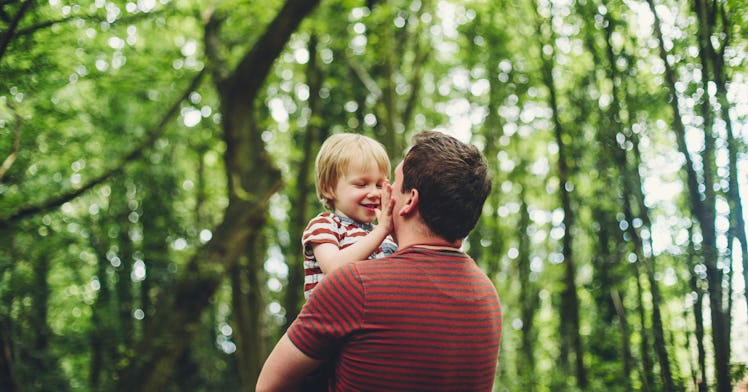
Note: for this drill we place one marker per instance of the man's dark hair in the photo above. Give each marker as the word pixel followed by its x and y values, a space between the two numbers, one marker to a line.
pixel 452 180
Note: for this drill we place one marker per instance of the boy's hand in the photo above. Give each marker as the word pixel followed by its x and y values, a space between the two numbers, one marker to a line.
pixel 384 215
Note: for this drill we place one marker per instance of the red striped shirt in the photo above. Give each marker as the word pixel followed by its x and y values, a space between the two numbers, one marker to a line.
pixel 421 319
pixel 329 228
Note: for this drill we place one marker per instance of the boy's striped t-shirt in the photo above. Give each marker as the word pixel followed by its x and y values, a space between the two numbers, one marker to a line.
pixel 419 320
pixel 338 230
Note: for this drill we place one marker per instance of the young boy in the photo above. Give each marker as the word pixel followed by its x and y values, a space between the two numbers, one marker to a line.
pixel 351 176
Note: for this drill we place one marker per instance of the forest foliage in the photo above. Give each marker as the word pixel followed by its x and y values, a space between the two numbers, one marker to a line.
pixel 156 164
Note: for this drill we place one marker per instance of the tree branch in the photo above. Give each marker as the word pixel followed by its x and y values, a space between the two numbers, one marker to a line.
pixel 5 38
pixel 14 153
pixel 94 18
pixel 154 133
pixel 219 68
pixel 364 77
pixel 255 66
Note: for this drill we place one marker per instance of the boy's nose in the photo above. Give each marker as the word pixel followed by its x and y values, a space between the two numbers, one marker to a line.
pixel 373 191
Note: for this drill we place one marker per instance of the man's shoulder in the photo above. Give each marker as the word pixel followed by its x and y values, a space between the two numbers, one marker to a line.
pixel 357 269
pixel 341 279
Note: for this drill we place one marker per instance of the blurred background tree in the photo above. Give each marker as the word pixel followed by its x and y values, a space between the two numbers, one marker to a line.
pixel 157 159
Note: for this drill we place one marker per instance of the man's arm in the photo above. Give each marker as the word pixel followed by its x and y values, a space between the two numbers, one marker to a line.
pixel 285 368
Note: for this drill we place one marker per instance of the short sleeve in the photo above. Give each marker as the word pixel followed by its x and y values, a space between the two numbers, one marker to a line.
pixel 321 230
pixel 332 313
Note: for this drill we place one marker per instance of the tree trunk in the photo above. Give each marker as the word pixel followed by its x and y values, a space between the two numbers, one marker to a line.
pixel 633 190
pixel 626 356
pixel 43 359
pixel 387 121
pixel 304 187
pixel 703 207
pixel 647 366
pixel 613 169
pixel 9 349
pixel 103 345
pixel 488 228
pixel 660 345
pixel 698 314
pixel 38 317
pixel 712 11
pixel 528 297
pixel 569 317
pixel 7 374
pixel 637 199
pixel 246 289
pixel 124 330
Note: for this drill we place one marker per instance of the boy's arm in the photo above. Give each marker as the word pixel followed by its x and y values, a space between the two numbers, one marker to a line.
pixel 285 368
pixel 330 257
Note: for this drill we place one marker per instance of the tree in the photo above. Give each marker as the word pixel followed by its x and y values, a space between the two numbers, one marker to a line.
pixel 702 198
pixel 569 322
pixel 156 160
pixel 246 162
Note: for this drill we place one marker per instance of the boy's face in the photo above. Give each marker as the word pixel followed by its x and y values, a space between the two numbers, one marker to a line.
pixel 358 193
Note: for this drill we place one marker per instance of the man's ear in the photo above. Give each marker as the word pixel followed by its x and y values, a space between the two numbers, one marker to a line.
pixel 411 203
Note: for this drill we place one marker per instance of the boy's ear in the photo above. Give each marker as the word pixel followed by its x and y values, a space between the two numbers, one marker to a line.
pixel 411 203
pixel 328 195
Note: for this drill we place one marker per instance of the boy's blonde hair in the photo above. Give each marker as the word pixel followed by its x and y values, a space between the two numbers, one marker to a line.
pixel 335 157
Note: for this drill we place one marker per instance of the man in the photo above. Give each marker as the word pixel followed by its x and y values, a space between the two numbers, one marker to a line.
pixel 423 319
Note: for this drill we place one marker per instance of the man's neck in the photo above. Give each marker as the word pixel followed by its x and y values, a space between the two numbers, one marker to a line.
pixel 437 247
pixel 431 243
pixel 413 232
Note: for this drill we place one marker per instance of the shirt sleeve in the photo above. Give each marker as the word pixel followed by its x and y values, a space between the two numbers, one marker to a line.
pixel 333 312
pixel 320 230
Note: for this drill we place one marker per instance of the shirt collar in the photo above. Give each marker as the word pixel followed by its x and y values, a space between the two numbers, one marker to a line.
pixel 348 221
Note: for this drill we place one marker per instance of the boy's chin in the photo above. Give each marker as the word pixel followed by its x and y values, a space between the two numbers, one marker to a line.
pixel 372 219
